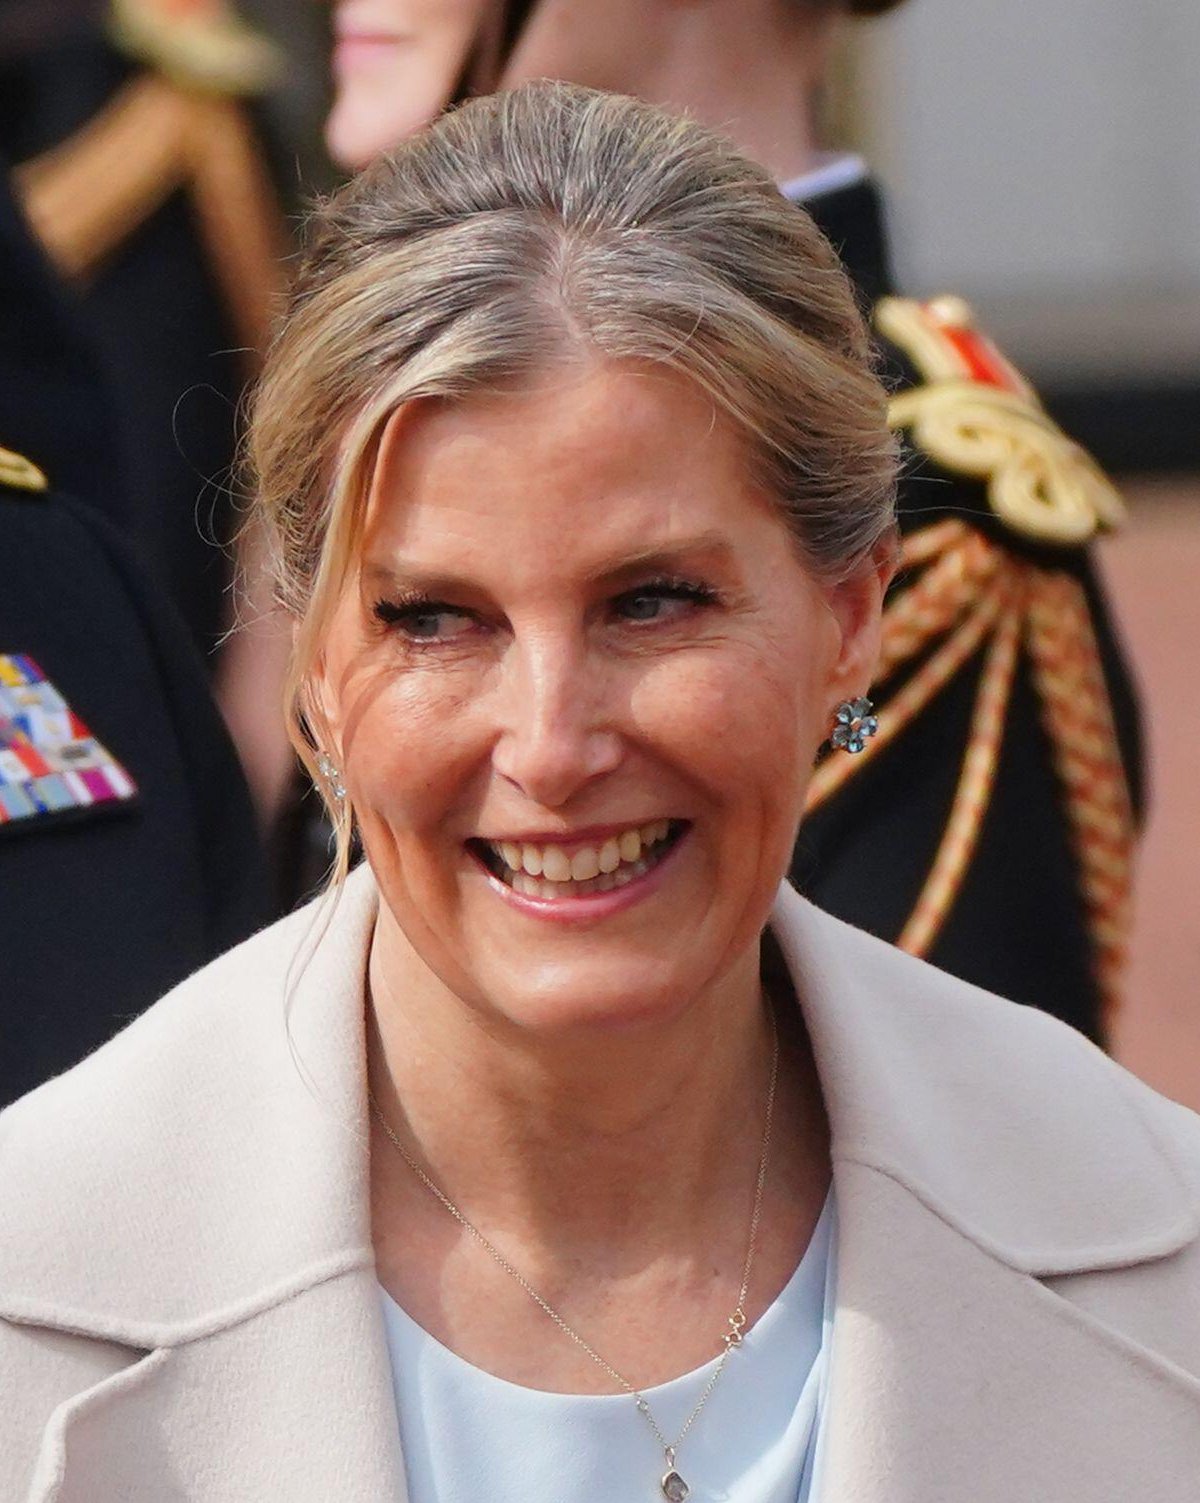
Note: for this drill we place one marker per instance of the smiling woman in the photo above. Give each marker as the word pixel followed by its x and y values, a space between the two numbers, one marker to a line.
pixel 610 477
pixel 565 1153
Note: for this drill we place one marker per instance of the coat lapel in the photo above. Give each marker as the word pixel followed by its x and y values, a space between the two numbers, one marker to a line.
pixel 300 1397
pixel 956 1378
pixel 231 1252
pixel 972 1160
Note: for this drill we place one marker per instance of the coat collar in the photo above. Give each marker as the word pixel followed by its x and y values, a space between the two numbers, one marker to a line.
pixel 215 1150
pixel 1003 1121
pixel 224 1133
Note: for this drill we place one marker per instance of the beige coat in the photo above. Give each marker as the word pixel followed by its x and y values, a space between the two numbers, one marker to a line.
pixel 188 1308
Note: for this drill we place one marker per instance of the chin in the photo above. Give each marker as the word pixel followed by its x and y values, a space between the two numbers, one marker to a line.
pixel 588 1007
pixel 356 134
pixel 590 1000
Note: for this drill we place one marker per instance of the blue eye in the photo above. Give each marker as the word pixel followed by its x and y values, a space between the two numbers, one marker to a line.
pixel 423 620
pixel 660 600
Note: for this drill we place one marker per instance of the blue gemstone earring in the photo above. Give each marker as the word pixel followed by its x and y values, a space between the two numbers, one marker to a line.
pixel 853 725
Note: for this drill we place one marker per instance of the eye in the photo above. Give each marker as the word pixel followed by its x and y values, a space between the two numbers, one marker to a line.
pixel 662 600
pixel 423 620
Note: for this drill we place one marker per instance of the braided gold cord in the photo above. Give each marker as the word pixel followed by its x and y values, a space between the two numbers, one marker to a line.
pixel 928 542
pixel 976 782
pixel 971 591
pixel 930 606
pixel 924 685
pixel 1079 723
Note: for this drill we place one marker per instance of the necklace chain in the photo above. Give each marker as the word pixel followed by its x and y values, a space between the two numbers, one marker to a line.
pixel 731 1338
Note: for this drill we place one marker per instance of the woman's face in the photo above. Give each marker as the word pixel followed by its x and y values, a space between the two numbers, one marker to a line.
pixel 395 66
pixel 576 692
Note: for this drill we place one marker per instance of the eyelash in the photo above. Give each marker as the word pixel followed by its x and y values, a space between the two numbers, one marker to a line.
pixel 674 587
pixel 407 607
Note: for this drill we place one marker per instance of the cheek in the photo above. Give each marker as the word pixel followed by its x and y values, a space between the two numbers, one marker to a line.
pixel 744 719
pixel 376 107
pixel 415 752
pixel 408 735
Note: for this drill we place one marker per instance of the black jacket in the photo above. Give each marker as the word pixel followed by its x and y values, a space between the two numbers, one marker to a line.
pixel 101 909
pixel 1019 924
pixel 104 909
pixel 156 330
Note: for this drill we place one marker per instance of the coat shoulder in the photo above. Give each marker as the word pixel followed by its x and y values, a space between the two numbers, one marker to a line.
pixel 177 1032
pixel 154 1083
pixel 954 1016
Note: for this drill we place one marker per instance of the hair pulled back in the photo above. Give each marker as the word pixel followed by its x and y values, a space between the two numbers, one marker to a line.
pixel 533 226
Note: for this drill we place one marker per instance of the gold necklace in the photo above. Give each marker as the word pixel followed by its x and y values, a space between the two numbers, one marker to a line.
pixel 673 1486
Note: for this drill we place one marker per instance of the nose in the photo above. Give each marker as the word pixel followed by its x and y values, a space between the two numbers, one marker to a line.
pixel 557 726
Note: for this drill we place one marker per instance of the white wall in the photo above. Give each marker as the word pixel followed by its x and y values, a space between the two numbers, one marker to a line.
pixel 1044 159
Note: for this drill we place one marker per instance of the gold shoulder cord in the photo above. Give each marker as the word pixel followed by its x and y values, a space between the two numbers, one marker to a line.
pixel 19 473
pixel 975 415
pixel 181 124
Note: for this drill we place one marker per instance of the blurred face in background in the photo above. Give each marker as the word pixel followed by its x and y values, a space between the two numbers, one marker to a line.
pixel 396 65
pixel 603 44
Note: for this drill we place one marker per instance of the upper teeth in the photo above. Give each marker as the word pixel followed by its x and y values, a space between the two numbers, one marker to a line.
pixel 585 862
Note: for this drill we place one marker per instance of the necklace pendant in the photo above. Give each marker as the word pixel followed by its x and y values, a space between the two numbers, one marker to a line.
pixel 674 1488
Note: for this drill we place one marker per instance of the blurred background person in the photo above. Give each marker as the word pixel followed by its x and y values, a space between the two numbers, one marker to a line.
pixel 1009 863
pixel 139 163
pixel 128 848
pixel 396 66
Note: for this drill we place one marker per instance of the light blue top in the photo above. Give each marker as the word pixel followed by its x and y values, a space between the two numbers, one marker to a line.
pixel 469 1437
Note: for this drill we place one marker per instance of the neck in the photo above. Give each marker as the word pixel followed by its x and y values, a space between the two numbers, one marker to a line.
pixel 621 1141
pixel 750 70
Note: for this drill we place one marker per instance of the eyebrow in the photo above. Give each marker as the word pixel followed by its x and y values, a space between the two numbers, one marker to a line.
pixel 713 547
pixel 664 558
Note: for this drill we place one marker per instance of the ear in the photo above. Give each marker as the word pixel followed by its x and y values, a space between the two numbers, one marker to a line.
pixel 318 706
pixel 856 603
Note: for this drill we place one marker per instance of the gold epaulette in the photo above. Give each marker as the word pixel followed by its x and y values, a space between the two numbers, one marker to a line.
pixel 19 473
pixel 976 415
pixel 208 47
pixel 968 597
pixel 86 196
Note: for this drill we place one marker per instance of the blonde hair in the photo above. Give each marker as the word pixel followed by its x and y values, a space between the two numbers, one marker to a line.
pixel 533 224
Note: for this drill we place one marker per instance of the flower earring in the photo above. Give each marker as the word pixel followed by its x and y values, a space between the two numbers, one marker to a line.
pixel 853 725
pixel 330 771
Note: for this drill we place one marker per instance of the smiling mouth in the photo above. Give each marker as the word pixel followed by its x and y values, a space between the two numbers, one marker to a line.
pixel 557 872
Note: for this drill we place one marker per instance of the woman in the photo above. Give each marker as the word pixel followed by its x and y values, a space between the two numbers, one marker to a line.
pixel 1009 798
pixel 567 1153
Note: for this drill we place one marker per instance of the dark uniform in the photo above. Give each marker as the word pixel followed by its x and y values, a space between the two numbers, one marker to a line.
pixel 128 851
pixel 143 178
pixel 989 824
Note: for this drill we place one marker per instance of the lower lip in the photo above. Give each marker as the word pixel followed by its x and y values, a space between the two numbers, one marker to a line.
pixel 593 906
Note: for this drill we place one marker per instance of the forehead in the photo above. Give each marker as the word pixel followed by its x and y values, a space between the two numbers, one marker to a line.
pixel 590 459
